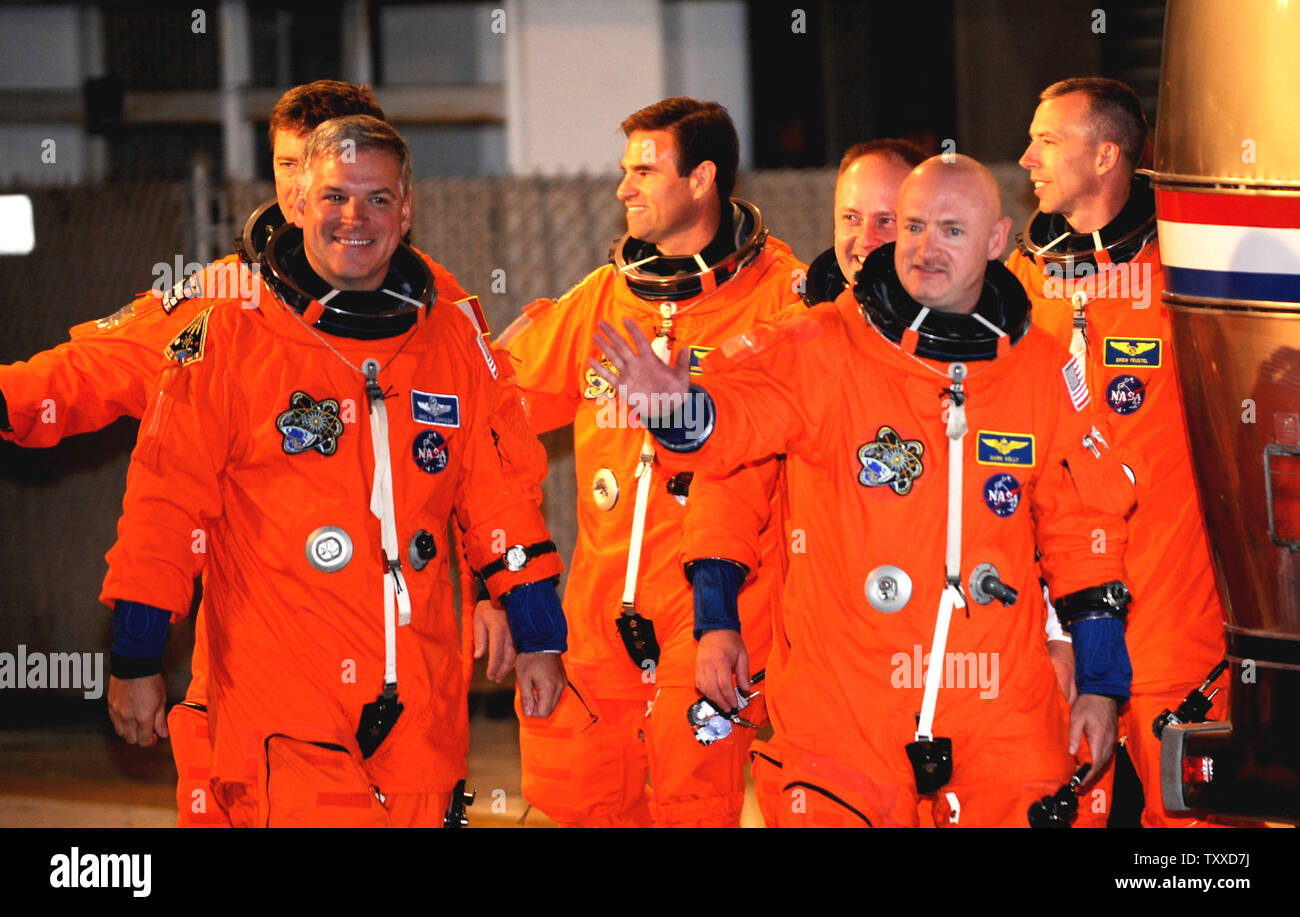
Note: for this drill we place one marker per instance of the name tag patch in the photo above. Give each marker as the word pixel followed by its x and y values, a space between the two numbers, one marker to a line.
pixel 698 353
pixel 1133 352
pixel 434 409
pixel 998 448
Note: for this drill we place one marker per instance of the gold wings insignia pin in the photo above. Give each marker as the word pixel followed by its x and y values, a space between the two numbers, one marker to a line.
pixel 1005 446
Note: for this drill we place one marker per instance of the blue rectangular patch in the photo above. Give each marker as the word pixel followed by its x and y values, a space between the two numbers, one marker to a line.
pixel 998 448
pixel 436 410
pixel 1132 352
pixel 698 353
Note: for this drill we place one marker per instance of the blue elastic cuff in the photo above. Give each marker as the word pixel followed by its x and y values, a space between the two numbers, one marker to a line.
pixel 687 427
pixel 1101 663
pixel 536 618
pixel 140 630
pixel 716 584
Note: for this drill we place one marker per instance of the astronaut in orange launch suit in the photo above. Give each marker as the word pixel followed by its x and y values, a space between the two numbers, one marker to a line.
pixel 322 531
pixel 697 267
pixel 934 437
pixel 1090 262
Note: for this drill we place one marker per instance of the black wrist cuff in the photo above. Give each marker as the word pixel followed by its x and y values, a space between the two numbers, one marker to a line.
pixel 120 666
pixel 1109 600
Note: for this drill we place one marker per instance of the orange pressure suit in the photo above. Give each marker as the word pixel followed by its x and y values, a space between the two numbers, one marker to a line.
pixel 862 421
pixel 587 764
pixel 258 441
pixel 108 370
pixel 1175 625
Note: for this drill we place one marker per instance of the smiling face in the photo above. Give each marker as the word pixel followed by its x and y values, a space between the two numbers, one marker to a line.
pixel 866 207
pixel 948 231
pixel 676 213
pixel 1062 157
pixel 353 217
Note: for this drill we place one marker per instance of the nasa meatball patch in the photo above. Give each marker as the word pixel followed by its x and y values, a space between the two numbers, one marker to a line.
pixel 1125 394
pixel 430 451
pixel 1002 494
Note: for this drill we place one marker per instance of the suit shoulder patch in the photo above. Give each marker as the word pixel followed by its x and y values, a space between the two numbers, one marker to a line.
pixel 188 346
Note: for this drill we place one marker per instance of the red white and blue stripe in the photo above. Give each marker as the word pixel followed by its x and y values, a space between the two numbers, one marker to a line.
pixel 1230 246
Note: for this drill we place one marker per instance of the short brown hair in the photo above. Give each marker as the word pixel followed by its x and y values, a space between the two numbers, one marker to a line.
pixel 911 154
pixel 303 108
pixel 701 130
pixel 1114 113
pixel 356 133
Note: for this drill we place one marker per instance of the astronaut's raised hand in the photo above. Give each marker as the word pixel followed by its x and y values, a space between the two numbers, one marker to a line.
pixel 642 378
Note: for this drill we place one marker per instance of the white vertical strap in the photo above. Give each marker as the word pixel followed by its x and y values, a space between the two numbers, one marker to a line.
pixel 644 472
pixel 952 597
pixel 956 433
pixel 381 505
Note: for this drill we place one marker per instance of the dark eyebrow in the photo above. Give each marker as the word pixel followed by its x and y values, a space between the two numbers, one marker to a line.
pixel 373 191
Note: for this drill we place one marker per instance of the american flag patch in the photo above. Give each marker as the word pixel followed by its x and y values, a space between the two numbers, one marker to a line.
pixel 1075 382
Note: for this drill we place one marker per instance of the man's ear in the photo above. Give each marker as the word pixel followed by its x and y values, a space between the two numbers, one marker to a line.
pixel 1107 157
pixel 406 213
pixel 998 238
pixel 702 178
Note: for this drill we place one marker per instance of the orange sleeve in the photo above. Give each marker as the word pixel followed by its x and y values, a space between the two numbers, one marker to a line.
pixel 172 494
pixel 725 516
pixel 547 344
pixel 499 503
pixel 109 368
pixel 1080 502
pixel 767 387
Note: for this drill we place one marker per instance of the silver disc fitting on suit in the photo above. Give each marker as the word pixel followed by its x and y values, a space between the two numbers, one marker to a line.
pixel 889 588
